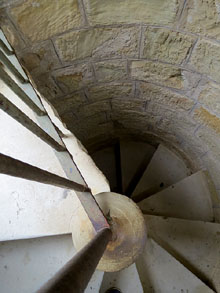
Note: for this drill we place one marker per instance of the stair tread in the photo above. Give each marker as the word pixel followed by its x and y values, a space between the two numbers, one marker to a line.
pixel 160 272
pixel 188 199
pixel 164 169
pixel 195 243
pixel 126 280
pixel 31 209
pixel 133 155
pixel 27 264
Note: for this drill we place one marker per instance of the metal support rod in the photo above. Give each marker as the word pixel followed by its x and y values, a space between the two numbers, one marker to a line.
pixel 5 48
pixel 12 68
pixel 75 275
pixel 16 168
pixel 94 212
pixel 20 117
pixel 19 92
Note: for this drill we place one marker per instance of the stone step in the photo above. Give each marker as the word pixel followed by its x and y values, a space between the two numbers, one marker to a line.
pixel 190 199
pixel 29 209
pixel 126 280
pixel 160 272
pixel 164 169
pixel 25 265
pixel 195 244
pixel 135 156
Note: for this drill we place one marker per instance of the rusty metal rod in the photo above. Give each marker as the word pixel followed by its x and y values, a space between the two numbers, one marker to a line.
pixel 93 210
pixel 5 48
pixel 19 92
pixel 20 117
pixel 12 68
pixel 75 275
pixel 16 168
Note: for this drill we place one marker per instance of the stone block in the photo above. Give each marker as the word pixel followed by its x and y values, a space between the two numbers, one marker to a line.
pixel 210 97
pixel 123 105
pixel 86 123
pixel 11 33
pixel 141 122
pixel 209 139
pixel 69 103
pixel 40 58
pixel 206 118
pixel 92 127
pixel 211 162
pixel 163 74
pixel 94 108
pixel 40 20
pixel 192 147
pixel 177 123
pixel 110 91
pixel 206 59
pixel 132 11
pixel 98 43
pixel 158 95
pixel 100 130
pixel 74 77
pixel 46 86
pixel 202 17
pixel 166 45
pixel 107 71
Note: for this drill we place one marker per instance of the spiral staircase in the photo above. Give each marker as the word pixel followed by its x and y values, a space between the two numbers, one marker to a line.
pixel 182 251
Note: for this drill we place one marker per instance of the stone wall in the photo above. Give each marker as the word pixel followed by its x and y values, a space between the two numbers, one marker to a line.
pixel 148 68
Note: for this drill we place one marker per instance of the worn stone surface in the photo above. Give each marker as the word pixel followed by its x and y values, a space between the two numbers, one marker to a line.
pixel 178 124
pixel 40 58
pixel 11 33
pixel 206 59
pixel 85 123
pixel 97 132
pixel 202 17
pixel 192 146
pixel 157 72
pixel 74 77
pixel 124 105
pixel 98 43
pixel 206 118
pixel 69 103
pixel 94 108
pixel 46 86
pixel 90 126
pixel 211 142
pixel 41 19
pixel 132 11
pixel 111 70
pixel 210 97
pixel 169 99
pixel 134 119
pixel 166 45
pixel 210 161
pixel 5 3
pixel 110 91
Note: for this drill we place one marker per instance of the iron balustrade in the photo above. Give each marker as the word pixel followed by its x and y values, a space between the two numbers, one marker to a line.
pixel 75 275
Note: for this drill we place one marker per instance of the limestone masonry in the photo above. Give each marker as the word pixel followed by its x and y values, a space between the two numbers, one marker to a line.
pixel 136 67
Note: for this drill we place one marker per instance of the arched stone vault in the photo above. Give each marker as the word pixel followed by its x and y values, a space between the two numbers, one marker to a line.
pixel 146 68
